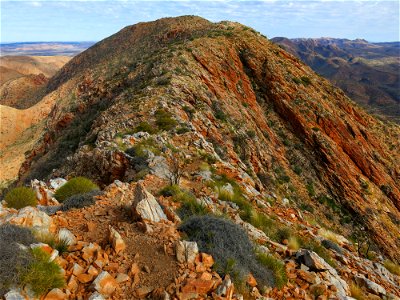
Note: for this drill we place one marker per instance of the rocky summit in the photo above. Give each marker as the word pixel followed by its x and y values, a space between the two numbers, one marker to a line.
pixel 220 167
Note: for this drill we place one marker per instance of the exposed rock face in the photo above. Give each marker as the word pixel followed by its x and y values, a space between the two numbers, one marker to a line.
pixel 239 100
pixel 146 206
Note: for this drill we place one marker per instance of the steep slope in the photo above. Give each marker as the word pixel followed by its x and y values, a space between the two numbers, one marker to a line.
pixel 24 78
pixel 367 72
pixel 223 91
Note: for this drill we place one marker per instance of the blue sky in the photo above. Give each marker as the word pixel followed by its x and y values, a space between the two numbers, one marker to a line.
pixel 94 20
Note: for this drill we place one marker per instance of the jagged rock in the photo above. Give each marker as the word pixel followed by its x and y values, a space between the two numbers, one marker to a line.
pixel 146 206
pixel 370 285
pixel 116 240
pixel 225 288
pixel 30 217
pixel 105 284
pixel 96 296
pixel 56 183
pixel 186 251
pixel 14 295
pixel 318 264
pixel 55 294
pixel 67 236
pixel 255 233
pixel 159 167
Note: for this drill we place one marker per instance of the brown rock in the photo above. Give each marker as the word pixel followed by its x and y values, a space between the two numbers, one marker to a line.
pixel 55 294
pixel 251 281
pixel 199 286
pixel 85 278
pixel 116 240
pixel 143 292
pixel 207 260
pixel 105 284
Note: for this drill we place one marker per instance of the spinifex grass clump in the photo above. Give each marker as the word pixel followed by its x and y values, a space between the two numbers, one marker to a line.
pixel 42 274
pixel 229 245
pixel 21 266
pixel 75 186
pixel 20 197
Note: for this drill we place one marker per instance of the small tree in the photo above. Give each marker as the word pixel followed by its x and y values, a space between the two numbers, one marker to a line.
pixel 176 168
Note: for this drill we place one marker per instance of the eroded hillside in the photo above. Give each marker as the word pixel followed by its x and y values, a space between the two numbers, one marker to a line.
pixel 242 126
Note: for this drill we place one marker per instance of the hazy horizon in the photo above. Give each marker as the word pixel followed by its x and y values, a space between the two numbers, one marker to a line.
pixel 92 21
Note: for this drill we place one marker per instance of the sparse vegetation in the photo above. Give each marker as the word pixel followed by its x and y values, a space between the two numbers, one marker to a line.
pixel 145 127
pixel 53 241
pixel 229 245
pixel 42 274
pixel 392 267
pixel 164 120
pixel 276 266
pixel 75 186
pixel 20 197
pixel 356 292
pixel 80 200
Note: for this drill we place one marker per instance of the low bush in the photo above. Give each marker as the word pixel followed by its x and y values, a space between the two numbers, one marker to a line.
pixel 145 127
pixel 276 266
pixel 164 120
pixel 229 245
pixel 191 208
pixel 75 186
pixel 80 200
pixel 392 267
pixel 20 197
pixel 53 241
pixel 170 190
pixel 13 259
pixel 42 274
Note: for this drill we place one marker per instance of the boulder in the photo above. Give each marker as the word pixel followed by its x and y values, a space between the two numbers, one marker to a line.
pixel 186 251
pixel 315 263
pixel 30 217
pixel 146 206
pixel 370 285
pixel 14 295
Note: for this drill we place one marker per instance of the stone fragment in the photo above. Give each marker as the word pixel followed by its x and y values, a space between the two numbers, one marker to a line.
pixel 116 240
pixel 67 236
pixel 14 295
pixel 224 287
pixel 122 278
pixel 96 296
pixel 55 294
pixel 77 269
pixel 92 271
pixel 85 278
pixel 199 286
pixel 31 217
pixel 146 206
pixel 143 292
pixel 186 251
pixel 56 183
pixel 251 281
pixel 207 260
pixel 105 284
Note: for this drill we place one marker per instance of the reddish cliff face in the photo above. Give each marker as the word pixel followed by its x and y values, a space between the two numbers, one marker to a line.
pixel 256 107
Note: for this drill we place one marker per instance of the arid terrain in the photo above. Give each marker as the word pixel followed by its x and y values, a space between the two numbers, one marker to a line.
pixel 220 166
pixel 367 72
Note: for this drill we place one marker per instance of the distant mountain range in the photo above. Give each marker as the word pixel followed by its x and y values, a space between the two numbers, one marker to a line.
pixel 44 48
pixel 367 72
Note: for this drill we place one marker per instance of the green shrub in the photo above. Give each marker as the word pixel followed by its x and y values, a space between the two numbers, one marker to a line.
pixel 20 197
pixel 42 274
pixel 164 120
pixel 191 208
pixel 305 80
pixel 145 127
pixel 80 200
pixel 229 245
pixel 170 190
pixel 53 241
pixel 75 186
pixel 276 266
pixel 392 267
